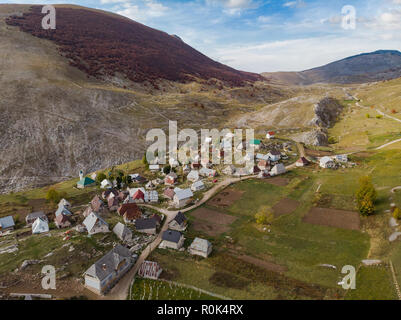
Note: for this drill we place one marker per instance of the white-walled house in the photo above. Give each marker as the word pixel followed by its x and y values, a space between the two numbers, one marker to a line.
pixel 40 226
pixel 182 197
pixel 200 247
pixel 105 273
pixel 197 186
pixel 277 169
pixel 95 224
pixel 106 184
pixel 327 162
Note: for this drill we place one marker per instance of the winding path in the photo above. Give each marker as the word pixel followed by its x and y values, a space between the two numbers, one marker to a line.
pixel 121 290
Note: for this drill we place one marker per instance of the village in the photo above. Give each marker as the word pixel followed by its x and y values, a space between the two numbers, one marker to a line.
pixel 150 207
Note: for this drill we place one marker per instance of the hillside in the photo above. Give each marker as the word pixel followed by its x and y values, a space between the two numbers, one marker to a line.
pixel 104 45
pixel 367 67
pixel 55 120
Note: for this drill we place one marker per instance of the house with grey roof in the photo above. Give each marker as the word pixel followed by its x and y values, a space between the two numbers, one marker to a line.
pixel 182 197
pixel 277 169
pixel 197 186
pixel 30 218
pixel 40 226
pixel 193 176
pixel 64 203
pixel 172 239
pixel 105 273
pixel 63 210
pixel 122 232
pixel 95 224
pixel 146 225
pixel 200 247
pixel 6 224
pixel 179 222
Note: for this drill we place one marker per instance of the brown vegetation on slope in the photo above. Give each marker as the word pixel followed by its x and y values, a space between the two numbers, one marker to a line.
pixel 105 45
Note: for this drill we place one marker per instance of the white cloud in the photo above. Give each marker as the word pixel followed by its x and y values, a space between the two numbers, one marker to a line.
pixel 299 54
pixel 142 11
pixel 233 7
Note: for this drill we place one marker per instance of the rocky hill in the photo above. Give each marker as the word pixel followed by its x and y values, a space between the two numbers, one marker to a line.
pixel 367 67
pixel 104 45
pixel 56 119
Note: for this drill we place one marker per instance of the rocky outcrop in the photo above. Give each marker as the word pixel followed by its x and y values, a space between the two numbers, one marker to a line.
pixel 315 137
pixel 327 111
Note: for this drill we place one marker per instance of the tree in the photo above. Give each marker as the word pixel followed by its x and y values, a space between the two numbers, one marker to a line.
pixel 54 196
pixel 100 177
pixel 397 213
pixel 264 216
pixel 366 196
pixel 367 115
pixel 167 169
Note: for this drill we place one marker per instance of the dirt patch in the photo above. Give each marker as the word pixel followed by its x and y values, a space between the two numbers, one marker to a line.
pixel 317 153
pixel 209 228
pixel 268 265
pixel 228 280
pixel 211 222
pixel 333 218
pixel 277 181
pixel 226 198
pixel 285 206
pixel 38 204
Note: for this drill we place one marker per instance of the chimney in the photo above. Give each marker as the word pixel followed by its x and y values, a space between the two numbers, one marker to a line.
pixel 81 175
pixel 104 266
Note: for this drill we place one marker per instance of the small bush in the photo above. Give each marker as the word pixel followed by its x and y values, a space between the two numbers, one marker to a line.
pixel 397 213
pixel 379 116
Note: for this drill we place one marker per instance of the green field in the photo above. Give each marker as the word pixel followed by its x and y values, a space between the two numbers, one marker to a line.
pixel 147 289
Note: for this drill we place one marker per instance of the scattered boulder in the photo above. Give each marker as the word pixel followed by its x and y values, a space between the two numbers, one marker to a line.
pixel 371 262
pixel 394 236
pixel 393 222
pixel 27 263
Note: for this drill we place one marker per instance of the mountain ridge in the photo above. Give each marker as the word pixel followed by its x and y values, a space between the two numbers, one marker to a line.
pixel 362 68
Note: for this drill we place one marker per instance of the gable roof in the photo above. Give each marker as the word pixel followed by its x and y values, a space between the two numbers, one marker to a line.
pixel 35 215
pixel 200 244
pixel 180 218
pixel 146 223
pixel 7 222
pixel 108 263
pixel 303 160
pixel 86 181
pixel 91 220
pixel 183 194
pixel 61 218
pixel 169 192
pixel 171 236
pixel 275 152
pixel 138 195
pixel 121 230
pixel 40 225
pixel 63 211
pixel 128 207
pixel 197 184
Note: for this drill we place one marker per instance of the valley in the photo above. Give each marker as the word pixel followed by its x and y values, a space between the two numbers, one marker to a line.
pixel 73 123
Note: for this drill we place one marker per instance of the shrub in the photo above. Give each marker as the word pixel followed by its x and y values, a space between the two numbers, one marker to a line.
pixel 332 140
pixel 393 111
pixel 264 216
pixel 379 116
pixel 54 196
pixel 366 196
pixel 397 213
pixel 367 115
pixel 100 177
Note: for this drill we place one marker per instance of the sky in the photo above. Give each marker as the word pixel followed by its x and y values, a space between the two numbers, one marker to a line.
pixel 267 35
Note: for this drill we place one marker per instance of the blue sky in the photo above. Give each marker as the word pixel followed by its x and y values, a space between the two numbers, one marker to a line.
pixel 266 35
